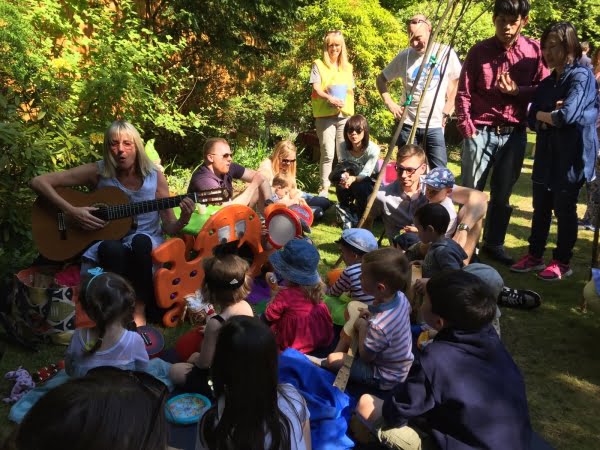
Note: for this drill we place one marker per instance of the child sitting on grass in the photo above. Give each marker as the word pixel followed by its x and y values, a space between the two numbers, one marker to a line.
pixel 465 389
pixel 109 300
pixel 444 253
pixel 354 243
pixel 384 335
pixel 438 186
pixel 297 314
pixel 226 285
pixel 281 187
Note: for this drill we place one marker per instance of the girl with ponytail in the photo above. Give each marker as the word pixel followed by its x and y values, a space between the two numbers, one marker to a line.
pixel 109 300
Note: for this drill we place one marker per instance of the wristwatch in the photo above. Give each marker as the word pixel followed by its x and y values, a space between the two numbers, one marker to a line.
pixel 463 226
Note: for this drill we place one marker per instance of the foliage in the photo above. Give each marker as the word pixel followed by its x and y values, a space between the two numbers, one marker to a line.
pixel 70 69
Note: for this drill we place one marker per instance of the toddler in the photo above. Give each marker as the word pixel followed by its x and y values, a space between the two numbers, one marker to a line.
pixel 432 221
pixel 458 376
pixel 438 186
pixel 109 300
pixel 354 243
pixel 281 187
pixel 297 314
pixel 226 285
pixel 383 328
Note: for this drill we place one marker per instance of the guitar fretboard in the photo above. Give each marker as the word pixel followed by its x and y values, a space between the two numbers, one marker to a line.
pixel 133 209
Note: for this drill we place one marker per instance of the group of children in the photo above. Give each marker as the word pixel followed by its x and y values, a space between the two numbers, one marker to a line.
pixel 402 382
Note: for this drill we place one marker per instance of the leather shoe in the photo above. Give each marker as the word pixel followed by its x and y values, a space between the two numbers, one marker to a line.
pixel 497 253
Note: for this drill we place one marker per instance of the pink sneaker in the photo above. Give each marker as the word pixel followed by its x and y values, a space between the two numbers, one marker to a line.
pixel 528 263
pixel 555 271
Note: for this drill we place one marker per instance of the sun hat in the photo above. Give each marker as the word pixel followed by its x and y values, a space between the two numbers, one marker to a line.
pixel 439 178
pixel 359 240
pixel 297 262
pixel 488 275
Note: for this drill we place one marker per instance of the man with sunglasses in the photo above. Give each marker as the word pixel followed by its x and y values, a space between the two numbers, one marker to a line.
pixel 397 202
pixel 496 84
pixel 438 100
pixel 219 171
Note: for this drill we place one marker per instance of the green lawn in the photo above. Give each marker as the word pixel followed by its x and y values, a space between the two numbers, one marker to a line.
pixel 554 345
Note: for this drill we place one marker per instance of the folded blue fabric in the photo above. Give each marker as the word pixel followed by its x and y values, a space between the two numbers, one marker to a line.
pixel 330 408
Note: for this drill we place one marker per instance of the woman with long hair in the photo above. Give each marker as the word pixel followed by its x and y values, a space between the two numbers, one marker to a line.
pixel 563 113
pixel 252 409
pixel 332 100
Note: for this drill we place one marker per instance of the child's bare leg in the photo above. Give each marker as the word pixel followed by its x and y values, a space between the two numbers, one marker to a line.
pixel 344 343
pixel 369 408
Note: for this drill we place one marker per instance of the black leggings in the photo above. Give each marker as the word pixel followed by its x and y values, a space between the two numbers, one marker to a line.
pixel 135 264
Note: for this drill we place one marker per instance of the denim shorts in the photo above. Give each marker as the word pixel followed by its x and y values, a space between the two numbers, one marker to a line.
pixel 363 373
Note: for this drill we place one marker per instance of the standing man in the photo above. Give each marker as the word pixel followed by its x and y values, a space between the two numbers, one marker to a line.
pixel 219 171
pixel 496 84
pixel 406 66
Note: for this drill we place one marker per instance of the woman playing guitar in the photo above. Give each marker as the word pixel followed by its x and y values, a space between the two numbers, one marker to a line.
pixel 126 166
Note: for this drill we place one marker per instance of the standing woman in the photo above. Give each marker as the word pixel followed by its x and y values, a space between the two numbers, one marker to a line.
pixel 353 189
pixel 332 100
pixel 563 113
pixel 593 188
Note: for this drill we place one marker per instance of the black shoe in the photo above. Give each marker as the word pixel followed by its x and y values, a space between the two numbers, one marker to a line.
pixel 498 253
pixel 519 298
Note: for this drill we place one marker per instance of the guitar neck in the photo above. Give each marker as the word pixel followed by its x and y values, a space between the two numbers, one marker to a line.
pixel 114 212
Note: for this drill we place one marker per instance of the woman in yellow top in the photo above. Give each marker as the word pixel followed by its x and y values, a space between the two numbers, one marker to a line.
pixel 332 100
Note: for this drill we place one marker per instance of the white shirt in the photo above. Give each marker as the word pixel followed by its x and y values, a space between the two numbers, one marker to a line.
pixel 406 66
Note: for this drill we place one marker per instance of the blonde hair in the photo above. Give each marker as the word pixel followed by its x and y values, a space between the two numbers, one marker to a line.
pixel 144 165
pixel 335 36
pixel 219 272
pixel 283 150
pixel 314 292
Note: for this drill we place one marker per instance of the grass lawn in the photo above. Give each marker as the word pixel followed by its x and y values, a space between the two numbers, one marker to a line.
pixel 554 345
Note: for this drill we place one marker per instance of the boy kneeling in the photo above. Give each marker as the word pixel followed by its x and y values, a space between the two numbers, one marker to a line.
pixel 465 392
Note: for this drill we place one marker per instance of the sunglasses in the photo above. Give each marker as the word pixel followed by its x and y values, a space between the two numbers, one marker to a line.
pixel 224 155
pixel 336 32
pixel 287 161
pixel 356 130
pixel 409 170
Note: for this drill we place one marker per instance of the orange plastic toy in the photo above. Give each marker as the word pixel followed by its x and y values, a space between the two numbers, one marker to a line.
pixel 233 223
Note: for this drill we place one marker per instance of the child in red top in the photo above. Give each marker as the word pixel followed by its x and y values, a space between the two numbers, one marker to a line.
pixel 297 315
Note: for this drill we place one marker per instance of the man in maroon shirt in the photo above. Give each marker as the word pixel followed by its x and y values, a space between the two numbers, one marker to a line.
pixel 496 84
pixel 219 171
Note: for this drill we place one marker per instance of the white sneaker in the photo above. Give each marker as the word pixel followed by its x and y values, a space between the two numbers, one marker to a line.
pixel 324 192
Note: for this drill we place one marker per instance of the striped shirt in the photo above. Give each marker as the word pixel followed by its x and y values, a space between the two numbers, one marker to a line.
pixel 349 281
pixel 389 337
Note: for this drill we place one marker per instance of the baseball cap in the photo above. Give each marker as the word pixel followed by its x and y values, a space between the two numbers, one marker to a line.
pixel 439 178
pixel 359 239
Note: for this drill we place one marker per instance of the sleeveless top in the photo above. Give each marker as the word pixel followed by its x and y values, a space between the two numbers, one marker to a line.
pixel 147 223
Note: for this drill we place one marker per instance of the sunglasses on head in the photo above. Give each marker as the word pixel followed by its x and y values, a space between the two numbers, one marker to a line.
pixel 408 170
pixel 336 32
pixel 356 130
pixel 415 21
pixel 288 161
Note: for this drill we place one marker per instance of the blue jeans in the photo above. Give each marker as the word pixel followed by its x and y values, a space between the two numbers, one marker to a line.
pixel 504 154
pixel 435 144
pixel 564 204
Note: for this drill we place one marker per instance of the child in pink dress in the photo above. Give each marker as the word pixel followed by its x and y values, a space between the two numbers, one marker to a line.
pixel 297 315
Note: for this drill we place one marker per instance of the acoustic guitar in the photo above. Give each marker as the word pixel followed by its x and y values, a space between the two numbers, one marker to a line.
pixel 58 240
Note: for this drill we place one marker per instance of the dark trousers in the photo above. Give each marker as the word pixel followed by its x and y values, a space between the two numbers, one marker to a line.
pixel 135 264
pixel 502 154
pixel 564 205
pixel 435 144
pixel 356 196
